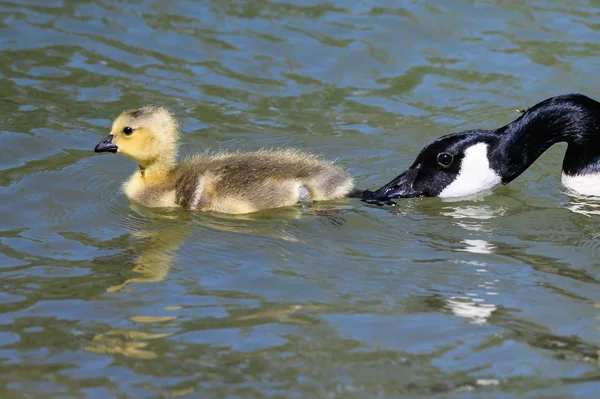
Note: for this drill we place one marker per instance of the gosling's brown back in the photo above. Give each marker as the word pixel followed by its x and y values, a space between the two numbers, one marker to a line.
pixel 263 179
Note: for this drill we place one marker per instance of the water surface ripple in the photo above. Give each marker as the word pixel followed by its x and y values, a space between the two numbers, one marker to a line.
pixel 100 298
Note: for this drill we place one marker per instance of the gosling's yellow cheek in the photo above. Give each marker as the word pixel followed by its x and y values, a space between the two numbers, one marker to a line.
pixel 117 140
pixel 122 145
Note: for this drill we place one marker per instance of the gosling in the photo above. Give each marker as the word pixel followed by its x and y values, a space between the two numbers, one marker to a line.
pixel 235 183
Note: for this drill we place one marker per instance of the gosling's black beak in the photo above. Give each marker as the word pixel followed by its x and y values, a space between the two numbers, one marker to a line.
pixel 106 145
pixel 400 187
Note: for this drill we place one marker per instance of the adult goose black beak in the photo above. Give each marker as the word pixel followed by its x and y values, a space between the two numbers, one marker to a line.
pixel 400 187
pixel 106 145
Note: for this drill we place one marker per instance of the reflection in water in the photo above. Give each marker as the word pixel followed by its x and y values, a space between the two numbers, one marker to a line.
pixel 475 304
pixel 478 246
pixel 478 313
pixel 272 223
pixel 479 212
pixel 473 218
pixel 587 206
pixel 286 314
pixel 157 245
pixel 136 344
pixel 597 305
pixel 477 221
pixel 128 343
pixel 209 306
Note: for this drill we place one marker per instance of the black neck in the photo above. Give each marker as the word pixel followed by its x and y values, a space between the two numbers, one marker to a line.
pixel 571 118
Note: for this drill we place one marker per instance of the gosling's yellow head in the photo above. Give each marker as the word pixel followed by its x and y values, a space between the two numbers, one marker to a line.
pixel 147 135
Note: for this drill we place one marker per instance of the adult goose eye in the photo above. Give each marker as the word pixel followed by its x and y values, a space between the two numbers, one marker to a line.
pixel 444 159
pixel 127 131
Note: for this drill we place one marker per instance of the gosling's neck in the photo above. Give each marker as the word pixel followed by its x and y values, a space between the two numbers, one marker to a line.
pixel 156 171
pixel 573 119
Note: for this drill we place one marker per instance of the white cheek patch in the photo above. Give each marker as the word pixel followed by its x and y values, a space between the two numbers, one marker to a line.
pixel 582 184
pixel 475 174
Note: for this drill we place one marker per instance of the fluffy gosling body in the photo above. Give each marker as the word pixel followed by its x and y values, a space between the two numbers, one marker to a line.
pixel 236 183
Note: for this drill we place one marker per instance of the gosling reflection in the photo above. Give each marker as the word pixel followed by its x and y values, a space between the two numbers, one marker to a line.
pixel 158 234
pixel 292 314
pixel 157 238
pixel 129 343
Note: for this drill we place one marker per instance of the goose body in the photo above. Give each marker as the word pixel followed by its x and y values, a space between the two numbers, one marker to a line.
pixel 236 183
pixel 470 162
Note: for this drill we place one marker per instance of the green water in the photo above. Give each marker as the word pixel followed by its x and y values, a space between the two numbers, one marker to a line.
pixel 100 298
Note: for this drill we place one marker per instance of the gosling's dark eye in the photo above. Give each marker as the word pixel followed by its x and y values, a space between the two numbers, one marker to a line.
pixel 127 130
pixel 444 159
